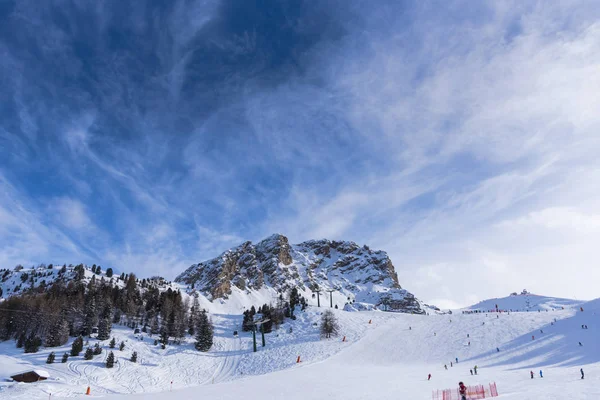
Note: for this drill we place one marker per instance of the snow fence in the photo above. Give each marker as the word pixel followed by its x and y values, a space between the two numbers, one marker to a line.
pixel 473 392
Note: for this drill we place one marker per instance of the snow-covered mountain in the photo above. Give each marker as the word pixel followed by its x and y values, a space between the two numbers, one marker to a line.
pixel 347 274
pixel 20 279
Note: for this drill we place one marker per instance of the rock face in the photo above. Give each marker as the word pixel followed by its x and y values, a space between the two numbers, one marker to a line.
pixel 361 277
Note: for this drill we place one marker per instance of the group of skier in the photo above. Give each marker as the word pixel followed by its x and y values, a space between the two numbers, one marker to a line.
pixel 541 374
pixel 462 389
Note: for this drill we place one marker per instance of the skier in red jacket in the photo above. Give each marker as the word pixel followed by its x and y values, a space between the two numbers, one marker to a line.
pixel 462 390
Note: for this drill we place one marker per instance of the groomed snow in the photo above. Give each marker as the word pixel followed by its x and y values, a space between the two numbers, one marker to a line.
pixel 381 360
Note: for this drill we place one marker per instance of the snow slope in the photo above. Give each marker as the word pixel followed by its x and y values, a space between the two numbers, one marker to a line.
pixel 381 360
pixel 525 302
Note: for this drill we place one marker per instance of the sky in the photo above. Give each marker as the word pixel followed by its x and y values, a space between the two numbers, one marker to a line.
pixel 461 137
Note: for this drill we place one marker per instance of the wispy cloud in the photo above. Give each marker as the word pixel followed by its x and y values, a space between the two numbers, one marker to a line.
pixel 462 142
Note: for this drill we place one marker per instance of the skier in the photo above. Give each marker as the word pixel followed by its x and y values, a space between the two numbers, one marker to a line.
pixel 531 373
pixel 541 374
pixel 457 360
pixel 469 343
pixel 475 369
pixel 467 335
pixel 582 374
pixel 451 365
pixel 532 337
pixel 410 328
pixel 580 344
pixel 446 367
pixel 462 389
pixel 434 334
pixel 541 331
pixel 471 371
pixel 498 349
pixel 429 377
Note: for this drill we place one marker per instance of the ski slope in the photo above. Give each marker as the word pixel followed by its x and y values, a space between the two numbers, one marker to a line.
pixel 381 360
pixel 526 302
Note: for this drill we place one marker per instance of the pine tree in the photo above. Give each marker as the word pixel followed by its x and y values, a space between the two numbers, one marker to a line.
pixel 112 343
pixel 329 324
pixel 90 317
pixel 50 359
pixel 32 343
pixel 21 341
pixel 134 356
pixel 105 323
pixel 109 272
pixel 294 300
pixel 65 357
pixel 193 319
pixel 58 334
pixel 154 327
pixel 98 270
pixel 205 333
pixel 89 354
pixel 164 336
pixel 97 349
pixel 122 346
pixel 77 346
pixel 110 360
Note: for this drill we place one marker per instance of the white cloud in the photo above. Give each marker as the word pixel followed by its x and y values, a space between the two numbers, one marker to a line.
pixel 72 213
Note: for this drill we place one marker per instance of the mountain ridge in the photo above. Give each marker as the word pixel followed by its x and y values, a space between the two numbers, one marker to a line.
pixel 360 277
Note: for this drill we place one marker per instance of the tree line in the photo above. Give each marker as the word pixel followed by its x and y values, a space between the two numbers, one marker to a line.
pixel 78 307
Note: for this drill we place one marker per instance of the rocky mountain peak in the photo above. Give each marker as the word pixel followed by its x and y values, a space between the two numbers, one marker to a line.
pixel 356 273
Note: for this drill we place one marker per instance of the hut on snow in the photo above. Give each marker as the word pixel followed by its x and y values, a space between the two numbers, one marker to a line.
pixel 31 376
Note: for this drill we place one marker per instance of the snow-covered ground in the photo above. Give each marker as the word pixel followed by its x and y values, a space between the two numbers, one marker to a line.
pixel 387 359
pixel 526 302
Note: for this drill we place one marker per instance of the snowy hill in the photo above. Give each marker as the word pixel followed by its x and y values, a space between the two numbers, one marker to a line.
pixel 38 279
pixel 525 301
pixel 357 277
pixel 388 358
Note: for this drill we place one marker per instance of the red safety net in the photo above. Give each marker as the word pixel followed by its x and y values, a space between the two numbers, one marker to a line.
pixel 473 393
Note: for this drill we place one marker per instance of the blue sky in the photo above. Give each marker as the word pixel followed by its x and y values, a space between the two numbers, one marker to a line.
pixel 461 137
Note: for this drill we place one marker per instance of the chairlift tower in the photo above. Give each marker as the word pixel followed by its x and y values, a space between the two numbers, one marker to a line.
pixel 318 292
pixel 331 297
pixel 262 331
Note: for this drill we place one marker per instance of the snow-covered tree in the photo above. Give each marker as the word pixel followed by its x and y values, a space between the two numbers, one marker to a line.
pixel 58 334
pixel 50 359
